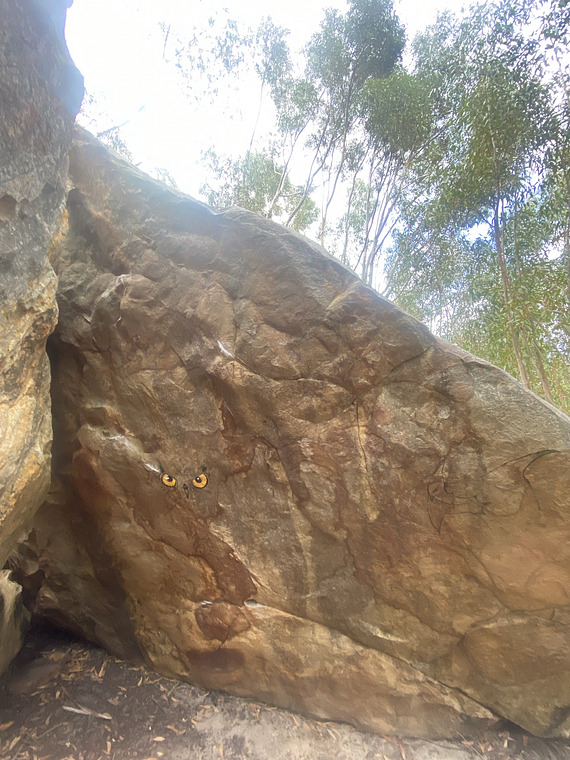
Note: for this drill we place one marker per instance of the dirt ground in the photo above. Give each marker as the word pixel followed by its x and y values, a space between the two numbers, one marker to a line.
pixel 67 700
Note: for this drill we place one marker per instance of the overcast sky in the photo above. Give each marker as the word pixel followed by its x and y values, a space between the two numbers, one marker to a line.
pixel 118 45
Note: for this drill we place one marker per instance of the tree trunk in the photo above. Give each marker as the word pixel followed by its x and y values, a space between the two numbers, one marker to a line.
pixel 345 130
pixel 312 174
pixel 499 247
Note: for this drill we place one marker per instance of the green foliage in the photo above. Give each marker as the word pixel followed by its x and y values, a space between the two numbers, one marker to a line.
pixel 454 285
pixel 375 38
pixel 253 182
pixel 397 112
pixel 396 121
pixel 272 61
pixel 341 57
pixel 479 254
pixel 297 103
pixel 556 22
pixel 349 49
pixel 492 109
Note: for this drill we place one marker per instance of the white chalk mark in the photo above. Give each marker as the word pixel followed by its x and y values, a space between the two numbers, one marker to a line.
pixel 380 634
pixel 135 447
pixel 127 443
pixel 224 350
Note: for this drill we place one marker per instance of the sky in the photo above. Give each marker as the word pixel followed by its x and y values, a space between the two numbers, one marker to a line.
pixel 120 49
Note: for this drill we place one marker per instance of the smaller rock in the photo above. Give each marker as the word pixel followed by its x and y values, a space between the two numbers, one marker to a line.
pixel 14 619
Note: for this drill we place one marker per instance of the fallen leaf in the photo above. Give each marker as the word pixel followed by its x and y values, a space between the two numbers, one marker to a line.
pixel 14 741
pixel 114 700
pixel 4 726
pixel 177 731
pixel 158 738
pixel 87 711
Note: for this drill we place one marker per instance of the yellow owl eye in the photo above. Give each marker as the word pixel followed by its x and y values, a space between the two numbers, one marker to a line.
pixel 168 480
pixel 200 481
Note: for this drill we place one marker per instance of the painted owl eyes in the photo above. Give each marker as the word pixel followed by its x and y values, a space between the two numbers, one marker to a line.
pixel 200 481
pixel 168 480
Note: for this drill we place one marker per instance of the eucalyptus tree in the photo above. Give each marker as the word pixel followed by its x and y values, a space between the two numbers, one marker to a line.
pixel 555 31
pixel 451 281
pixel 482 175
pixel 349 50
pixel 255 182
pixel 558 187
pixel 318 99
pixel 396 115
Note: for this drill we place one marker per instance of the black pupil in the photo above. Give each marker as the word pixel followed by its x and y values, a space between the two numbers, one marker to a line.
pixel 199 479
pixel 169 478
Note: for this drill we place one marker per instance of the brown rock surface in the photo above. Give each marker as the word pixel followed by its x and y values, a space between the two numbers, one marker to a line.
pixel 40 93
pixel 383 536
pixel 14 619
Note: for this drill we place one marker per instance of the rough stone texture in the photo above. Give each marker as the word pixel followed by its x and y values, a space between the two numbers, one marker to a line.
pixel 384 537
pixel 14 619
pixel 40 93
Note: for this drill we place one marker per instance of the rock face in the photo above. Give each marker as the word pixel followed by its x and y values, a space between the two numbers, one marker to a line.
pixel 14 619
pixel 272 481
pixel 40 93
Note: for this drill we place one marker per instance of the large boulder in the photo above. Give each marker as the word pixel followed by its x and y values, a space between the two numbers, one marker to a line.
pixel 274 482
pixel 40 93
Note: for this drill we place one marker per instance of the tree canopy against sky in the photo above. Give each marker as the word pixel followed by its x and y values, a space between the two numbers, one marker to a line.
pixel 442 179
pixel 480 254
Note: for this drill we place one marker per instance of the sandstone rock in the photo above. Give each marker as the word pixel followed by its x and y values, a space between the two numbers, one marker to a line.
pixel 272 481
pixel 14 619
pixel 40 93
